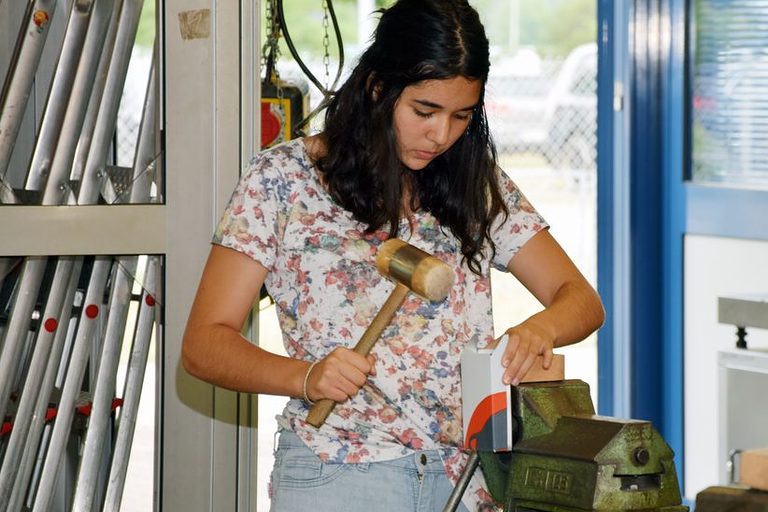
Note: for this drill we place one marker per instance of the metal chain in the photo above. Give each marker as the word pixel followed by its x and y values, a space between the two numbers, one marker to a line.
pixel 272 47
pixel 326 46
pixel 269 43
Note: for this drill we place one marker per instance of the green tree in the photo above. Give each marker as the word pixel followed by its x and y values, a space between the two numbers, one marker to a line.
pixel 555 27
pixel 145 34
pixel 305 24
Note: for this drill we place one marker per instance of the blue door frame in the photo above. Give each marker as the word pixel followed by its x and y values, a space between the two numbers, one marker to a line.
pixel 642 212
pixel 646 207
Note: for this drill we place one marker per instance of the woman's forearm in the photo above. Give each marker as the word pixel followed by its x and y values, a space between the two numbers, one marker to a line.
pixel 221 356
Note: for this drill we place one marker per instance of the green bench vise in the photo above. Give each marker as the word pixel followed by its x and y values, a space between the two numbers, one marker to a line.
pixel 565 458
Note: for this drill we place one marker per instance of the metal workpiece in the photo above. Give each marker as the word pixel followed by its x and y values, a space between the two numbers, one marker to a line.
pixel 7 194
pixel 31 278
pixel 568 459
pixel 91 315
pixel 94 172
pixel 137 364
pixel 102 58
pixel 21 75
pixel 28 288
pixel 99 426
pixel 28 431
pixel 33 268
pixel 34 384
pixel 104 388
pixel 145 161
pixel 54 182
pixel 58 96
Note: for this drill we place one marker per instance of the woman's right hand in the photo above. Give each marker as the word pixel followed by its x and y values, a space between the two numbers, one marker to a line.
pixel 339 375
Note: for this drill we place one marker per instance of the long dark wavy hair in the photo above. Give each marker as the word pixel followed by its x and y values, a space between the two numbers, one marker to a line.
pixel 415 40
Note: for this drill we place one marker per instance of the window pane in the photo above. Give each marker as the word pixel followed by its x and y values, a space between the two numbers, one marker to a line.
pixel 77 388
pixel 542 108
pixel 78 125
pixel 729 78
pixel 77 333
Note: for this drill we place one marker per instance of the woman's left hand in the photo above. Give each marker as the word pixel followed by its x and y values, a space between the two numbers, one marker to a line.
pixel 572 308
pixel 527 341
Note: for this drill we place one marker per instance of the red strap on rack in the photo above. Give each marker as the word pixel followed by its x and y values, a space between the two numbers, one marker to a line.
pixel 84 409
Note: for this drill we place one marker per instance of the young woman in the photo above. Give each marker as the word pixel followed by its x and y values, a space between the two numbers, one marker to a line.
pixel 405 153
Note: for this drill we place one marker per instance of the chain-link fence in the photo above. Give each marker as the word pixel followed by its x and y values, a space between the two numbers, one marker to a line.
pixel 542 108
pixel 131 104
pixel 546 108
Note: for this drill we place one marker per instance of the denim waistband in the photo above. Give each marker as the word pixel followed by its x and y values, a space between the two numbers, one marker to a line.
pixel 422 461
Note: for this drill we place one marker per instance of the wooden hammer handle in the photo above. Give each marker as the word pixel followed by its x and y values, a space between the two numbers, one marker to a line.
pixel 322 408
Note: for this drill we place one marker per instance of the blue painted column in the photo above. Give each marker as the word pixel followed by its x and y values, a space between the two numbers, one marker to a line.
pixel 641 212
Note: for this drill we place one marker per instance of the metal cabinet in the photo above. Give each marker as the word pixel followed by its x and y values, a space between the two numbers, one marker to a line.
pixel 742 381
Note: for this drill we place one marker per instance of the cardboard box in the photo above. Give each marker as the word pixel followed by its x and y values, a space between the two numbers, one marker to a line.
pixel 486 400
pixel 753 468
pixel 537 373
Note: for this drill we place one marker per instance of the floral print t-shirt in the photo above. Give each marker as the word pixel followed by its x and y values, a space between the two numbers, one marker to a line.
pixel 323 279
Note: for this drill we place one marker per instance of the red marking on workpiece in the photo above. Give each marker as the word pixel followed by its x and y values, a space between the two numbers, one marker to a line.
pixel 87 408
pixel 40 18
pixel 91 311
pixel 150 300
pixel 482 417
pixel 7 426
pixel 51 324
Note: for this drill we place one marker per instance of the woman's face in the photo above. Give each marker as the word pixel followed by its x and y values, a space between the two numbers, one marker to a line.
pixel 431 115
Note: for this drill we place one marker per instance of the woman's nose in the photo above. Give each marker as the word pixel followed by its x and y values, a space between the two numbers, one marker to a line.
pixel 440 131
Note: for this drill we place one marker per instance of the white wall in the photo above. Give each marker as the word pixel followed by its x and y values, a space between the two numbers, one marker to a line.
pixel 714 267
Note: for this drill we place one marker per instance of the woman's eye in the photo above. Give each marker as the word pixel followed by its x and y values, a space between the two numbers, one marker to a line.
pixel 423 114
pixel 463 117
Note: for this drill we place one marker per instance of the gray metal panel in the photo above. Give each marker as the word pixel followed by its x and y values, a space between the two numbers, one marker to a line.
pixel 742 404
pixel 744 310
pixel 81 230
pixel 227 165
pixel 250 127
pixel 188 403
pixel 202 127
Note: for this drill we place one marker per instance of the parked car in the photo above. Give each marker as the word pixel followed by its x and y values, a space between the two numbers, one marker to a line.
pixel 553 114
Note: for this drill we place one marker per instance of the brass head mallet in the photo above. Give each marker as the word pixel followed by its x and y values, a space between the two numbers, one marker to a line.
pixel 412 270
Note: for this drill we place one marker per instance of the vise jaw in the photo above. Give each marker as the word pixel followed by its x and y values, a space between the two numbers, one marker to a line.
pixel 565 458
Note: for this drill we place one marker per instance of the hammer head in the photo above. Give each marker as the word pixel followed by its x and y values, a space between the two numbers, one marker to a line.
pixel 421 272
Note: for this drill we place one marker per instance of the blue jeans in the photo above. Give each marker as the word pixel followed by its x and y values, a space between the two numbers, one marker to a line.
pixel 301 481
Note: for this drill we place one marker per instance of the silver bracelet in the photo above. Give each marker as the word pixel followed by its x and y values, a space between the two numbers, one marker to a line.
pixel 306 380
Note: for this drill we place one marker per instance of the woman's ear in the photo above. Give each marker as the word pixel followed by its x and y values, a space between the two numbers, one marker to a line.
pixel 374 86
